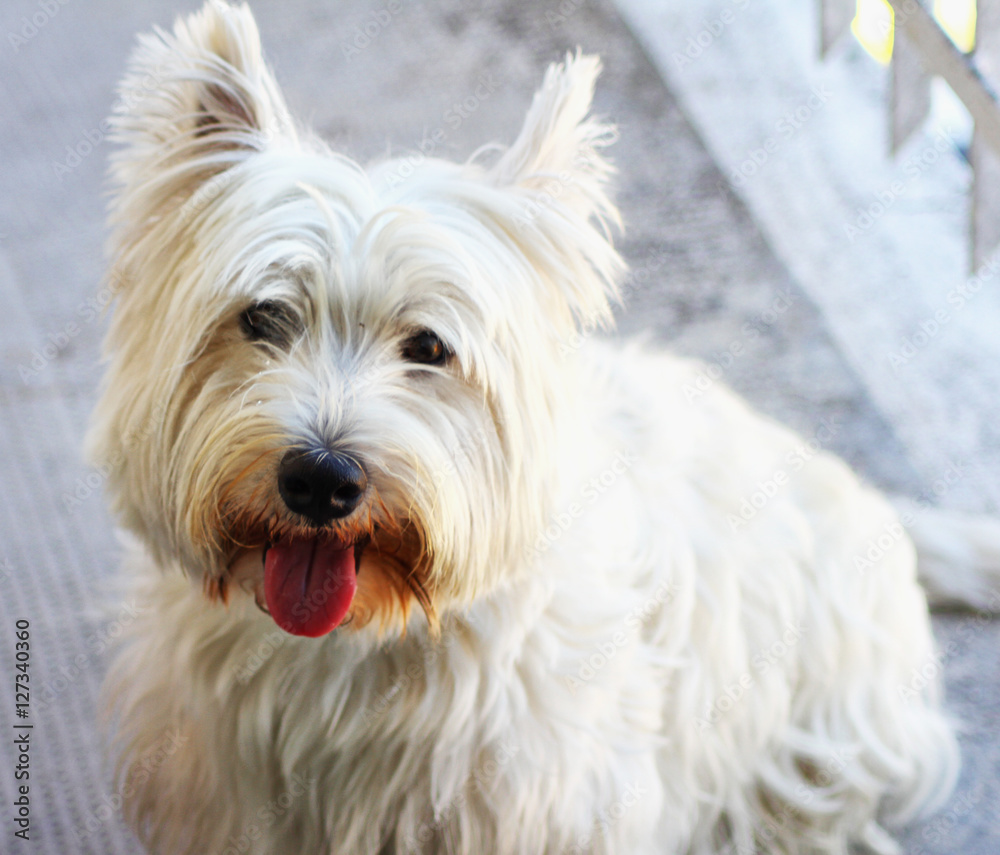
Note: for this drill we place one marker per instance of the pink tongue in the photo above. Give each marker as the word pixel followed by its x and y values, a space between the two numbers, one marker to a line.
pixel 309 585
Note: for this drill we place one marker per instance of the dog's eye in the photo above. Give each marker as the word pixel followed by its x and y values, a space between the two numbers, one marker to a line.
pixel 268 321
pixel 426 348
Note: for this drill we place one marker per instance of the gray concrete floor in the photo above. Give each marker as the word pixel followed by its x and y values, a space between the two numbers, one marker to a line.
pixel 701 272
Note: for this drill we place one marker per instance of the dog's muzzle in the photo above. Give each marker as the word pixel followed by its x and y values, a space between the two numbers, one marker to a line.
pixel 310 580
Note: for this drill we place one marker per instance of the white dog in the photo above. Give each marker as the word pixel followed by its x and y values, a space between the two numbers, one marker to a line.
pixel 425 567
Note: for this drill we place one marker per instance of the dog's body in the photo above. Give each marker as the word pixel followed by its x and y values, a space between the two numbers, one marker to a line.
pixel 653 674
pixel 599 607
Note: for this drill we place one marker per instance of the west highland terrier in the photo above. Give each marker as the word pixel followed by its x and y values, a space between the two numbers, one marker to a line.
pixel 428 568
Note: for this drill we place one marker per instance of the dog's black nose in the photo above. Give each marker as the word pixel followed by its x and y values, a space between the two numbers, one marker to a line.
pixel 321 485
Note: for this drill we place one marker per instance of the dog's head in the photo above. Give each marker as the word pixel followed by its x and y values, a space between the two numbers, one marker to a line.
pixel 339 389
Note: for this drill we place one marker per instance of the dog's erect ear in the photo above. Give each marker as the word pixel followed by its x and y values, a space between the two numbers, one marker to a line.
pixel 193 103
pixel 556 166
pixel 560 143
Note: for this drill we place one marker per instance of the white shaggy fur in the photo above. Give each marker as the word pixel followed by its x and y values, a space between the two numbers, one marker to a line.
pixel 615 655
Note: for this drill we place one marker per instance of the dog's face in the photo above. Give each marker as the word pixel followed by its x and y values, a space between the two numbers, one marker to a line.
pixel 335 389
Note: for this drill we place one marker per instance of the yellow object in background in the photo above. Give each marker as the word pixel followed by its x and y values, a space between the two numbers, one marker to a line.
pixel 873 25
pixel 958 19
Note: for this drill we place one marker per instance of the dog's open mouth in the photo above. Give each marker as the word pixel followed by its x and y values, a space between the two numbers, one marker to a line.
pixel 311 580
pixel 309 583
